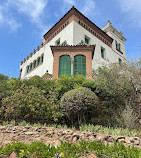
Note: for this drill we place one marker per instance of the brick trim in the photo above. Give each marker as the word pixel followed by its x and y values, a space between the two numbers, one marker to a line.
pixel 74 14
pixel 87 51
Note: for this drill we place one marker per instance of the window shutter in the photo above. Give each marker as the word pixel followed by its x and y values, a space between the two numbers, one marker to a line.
pixel 102 53
pixel 42 59
pixel 27 69
pixel 79 66
pixel 86 40
pixel 34 63
pixel 38 62
pixel 65 65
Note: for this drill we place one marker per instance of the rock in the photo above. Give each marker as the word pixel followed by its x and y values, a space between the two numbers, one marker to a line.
pixel 28 133
pixel 92 138
pixel 100 137
pixel 89 156
pixel 120 139
pixel 109 138
pixel 74 140
pixel 13 155
pixel 53 136
pixel 86 134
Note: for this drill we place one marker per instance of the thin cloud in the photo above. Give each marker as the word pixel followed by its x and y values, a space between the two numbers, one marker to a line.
pixel 89 8
pixel 133 10
pixel 7 20
pixel 32 8
pixel 70 2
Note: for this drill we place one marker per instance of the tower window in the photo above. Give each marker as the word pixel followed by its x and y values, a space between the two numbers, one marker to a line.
pixel 118 46
pixel 102 53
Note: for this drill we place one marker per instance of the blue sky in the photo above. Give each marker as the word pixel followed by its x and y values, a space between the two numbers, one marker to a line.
pixel 24 22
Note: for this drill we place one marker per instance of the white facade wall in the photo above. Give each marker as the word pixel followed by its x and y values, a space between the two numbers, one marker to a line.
pixel 73 34
pixel 111 56
pixel 65 34
pixel 115 38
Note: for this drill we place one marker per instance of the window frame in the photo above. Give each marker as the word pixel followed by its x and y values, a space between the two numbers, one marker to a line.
pixel 87 38
pixel 104 53
pixel 119 61
pixel 56 42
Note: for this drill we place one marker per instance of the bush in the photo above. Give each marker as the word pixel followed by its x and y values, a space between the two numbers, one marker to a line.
pixel 78 103
pixel 26 103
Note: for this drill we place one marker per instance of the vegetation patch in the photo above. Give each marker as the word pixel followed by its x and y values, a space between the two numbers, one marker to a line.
pixel 68 150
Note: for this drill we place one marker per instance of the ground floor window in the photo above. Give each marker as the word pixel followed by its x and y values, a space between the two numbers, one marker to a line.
pixel 79 66
pixel 65 65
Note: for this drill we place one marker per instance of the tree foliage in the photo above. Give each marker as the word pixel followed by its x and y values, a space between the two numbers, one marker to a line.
pixel 78 103
pixel 119 85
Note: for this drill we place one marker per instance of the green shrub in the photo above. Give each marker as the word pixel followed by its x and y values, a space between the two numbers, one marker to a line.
pixel 39 149
pixel 78 103
pixel 27 103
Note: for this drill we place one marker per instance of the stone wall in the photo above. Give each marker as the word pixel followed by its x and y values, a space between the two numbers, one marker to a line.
pixel 53 136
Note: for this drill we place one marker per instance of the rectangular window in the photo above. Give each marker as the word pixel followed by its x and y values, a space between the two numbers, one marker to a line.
pixel 34 65
pixel 119 60
pixel 27 69
pixel 118 46
pixel 38 61
pixel 102 53
pixel 42 58
pixel 87 40
pixel 57 43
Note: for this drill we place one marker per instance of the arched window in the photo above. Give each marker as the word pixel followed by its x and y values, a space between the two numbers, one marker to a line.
pixel 65 65
pixel 79 66
pixel 38 61
pixel 34 64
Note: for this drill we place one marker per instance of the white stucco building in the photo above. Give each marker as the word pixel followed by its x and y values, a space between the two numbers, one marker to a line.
pixel 74 45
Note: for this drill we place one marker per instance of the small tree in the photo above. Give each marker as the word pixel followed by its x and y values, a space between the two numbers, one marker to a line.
pixel 78 103
pixel 129 116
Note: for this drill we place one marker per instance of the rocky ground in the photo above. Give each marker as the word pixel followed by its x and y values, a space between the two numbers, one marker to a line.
pixel 54 136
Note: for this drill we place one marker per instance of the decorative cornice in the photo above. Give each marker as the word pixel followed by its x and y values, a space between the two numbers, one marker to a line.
pixel 65 21
pixel 73 48
pixel 109 27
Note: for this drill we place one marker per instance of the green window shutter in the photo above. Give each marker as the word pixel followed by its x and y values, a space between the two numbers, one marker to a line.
pixel 102 53
pixel 34 65
pixel 58 43
pixel 119 46
pixel 38 61
pixel 42 59
pixel 65 65
pixel 30 66
pixel 79 65
pixel 116 44
pixel 27 69
pixel 86 40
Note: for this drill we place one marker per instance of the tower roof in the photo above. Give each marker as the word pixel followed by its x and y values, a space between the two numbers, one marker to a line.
pixel 110 28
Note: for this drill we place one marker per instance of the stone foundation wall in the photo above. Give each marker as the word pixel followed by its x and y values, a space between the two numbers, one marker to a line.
pixel 53 136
